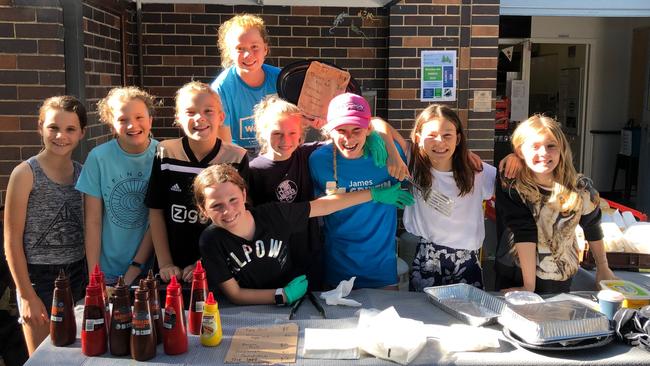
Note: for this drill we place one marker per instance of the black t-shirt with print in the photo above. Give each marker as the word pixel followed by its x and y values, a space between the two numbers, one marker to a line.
pixel 263 262
pixel 290 181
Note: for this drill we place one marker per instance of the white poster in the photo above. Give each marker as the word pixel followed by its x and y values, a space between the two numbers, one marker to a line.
pixel 438 76
pixel 519 100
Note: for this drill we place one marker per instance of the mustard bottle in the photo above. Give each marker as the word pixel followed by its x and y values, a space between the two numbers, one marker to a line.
pixel 211 331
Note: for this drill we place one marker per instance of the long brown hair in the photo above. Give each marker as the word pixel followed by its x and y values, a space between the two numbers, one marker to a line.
pixel 419 163
pixel 565 179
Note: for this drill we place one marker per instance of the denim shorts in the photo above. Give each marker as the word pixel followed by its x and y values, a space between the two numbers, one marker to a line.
pixel 42 277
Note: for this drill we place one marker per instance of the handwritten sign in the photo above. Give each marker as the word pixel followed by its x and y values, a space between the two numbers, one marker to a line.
pixel 268 345
pixel 322 83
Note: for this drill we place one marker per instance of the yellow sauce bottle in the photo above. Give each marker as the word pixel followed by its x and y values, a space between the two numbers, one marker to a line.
pixel 211 331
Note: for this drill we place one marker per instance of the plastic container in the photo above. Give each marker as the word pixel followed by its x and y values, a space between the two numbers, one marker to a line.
pixel 635 296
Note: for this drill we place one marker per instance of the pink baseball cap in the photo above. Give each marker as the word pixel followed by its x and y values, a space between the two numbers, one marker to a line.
pixel 348 109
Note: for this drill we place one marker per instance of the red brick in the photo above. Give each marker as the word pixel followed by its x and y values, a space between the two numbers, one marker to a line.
pixel 8 123
pixel 416 42
pixel 305 10
pixel 7 62
pixel 39 92
pixel 29 123
pixel 40 62
pixel 18 14
pixel 10 153
pixel 483 63
pixel 189 8
pixel 20 138
pixel 50 46
pixel 39 31
pixel 485 31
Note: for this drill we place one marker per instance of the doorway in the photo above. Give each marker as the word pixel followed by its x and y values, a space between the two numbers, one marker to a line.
pixel 535 76
pixel 557 85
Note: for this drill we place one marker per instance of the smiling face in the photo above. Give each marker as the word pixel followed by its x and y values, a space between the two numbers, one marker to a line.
pixel 541 153
pixel 61 131
pixel 284 136
pixel 247 49
pixel 349 140
pixel 438 139
pixel 200 115
pixel 224 205
pixel 131 123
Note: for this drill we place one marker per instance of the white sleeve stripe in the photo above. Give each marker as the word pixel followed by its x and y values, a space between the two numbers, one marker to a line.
pixel 180 168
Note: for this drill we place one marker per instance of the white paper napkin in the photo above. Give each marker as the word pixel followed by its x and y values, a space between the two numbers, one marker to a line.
pixel 336 296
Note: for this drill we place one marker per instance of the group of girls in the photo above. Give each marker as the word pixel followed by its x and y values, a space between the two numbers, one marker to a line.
pixel 189 198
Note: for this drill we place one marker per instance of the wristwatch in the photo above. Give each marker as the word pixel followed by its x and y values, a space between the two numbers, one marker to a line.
pixel 136 264
pixel 279 298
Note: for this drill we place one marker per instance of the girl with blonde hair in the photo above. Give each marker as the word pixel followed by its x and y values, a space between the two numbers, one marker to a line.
pixel 539 210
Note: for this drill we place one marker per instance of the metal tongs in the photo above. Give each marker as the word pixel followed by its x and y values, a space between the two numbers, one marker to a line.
pixel 439 201
pixel 314 302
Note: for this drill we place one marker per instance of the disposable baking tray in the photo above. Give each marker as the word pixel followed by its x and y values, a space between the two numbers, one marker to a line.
pixel 557 321
pixel 467 303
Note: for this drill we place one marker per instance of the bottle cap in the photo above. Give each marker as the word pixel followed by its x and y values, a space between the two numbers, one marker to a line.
pixel 121 289
pixel 61 280
pixel 210 300
pixel 199 268
pixel 173 289
pixel 93 287
pixel 173 284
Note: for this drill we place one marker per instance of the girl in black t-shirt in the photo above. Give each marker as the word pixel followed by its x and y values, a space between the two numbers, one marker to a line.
pixel 245 251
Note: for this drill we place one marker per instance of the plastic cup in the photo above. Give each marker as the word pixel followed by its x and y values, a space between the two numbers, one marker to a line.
pixel 610 301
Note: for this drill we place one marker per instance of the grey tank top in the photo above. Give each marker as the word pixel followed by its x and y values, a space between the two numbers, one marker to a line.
pixel 54 231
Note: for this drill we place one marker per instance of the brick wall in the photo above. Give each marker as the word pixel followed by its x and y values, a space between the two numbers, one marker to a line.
pixel 471 27
pixel 180 43
pixel 380 48
pixel 102 62
pixel 31 69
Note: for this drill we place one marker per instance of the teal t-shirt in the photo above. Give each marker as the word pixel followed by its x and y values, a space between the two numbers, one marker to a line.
pixel 239 99
pixel 120 179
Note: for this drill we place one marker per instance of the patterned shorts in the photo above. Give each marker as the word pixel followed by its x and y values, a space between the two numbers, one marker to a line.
pixel 436 265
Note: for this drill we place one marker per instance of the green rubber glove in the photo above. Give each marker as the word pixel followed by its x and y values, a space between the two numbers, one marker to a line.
pixel 376 148
pixel 295 289
pixel 392 195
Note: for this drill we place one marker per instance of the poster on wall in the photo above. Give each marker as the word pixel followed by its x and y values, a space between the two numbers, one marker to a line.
pixel 438 76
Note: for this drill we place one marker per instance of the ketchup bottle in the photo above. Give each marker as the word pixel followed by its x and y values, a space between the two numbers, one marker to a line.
pixel 63 327
pixel 93 333
pixel 174 333
pixel 120 332
pixel 197 299
pixel 143 340
pixel 154 302
pixel 101 282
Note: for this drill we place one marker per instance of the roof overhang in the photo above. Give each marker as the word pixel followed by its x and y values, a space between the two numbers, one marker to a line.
pixel 576 8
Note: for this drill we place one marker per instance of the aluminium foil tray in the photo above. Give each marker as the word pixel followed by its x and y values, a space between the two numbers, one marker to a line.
pixel 467 303
pixel 557 321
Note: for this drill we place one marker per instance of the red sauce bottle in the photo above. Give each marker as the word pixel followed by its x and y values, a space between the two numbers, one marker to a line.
pixel 154 301
pixel 174 332
pixel 93 333
pixel 197 299
pixel 101 281
pixel 119 333
pixel 63 327
pixel 143 340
